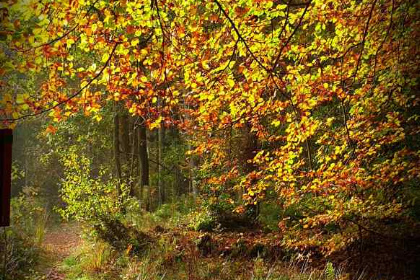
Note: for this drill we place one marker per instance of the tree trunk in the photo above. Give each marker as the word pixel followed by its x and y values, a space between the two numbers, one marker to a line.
pixel 192 165
pixel 117 148
pixel 160 162
pixel 144 163
pixel 135 162
pixel 125 136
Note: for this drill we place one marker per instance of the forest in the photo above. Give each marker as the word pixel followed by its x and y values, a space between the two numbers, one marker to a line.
pixel 210 140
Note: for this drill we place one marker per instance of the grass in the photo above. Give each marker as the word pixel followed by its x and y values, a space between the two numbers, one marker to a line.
pixel 174 255
pixel 90 261
pixel 152 267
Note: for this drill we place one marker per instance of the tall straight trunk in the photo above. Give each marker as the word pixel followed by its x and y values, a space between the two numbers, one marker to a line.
pixel 25 154
pixel 125 136
pixel 135 161
pixel 117 148
pixel 144 163
pixel 160 162
pixel 192 165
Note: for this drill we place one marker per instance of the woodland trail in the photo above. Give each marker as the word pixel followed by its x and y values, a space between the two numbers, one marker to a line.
pixel 59 242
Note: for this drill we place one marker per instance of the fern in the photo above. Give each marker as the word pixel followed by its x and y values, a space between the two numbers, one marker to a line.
pixel 329 271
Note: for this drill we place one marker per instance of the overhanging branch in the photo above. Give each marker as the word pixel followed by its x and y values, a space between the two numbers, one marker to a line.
pixel 71 96
pixel 235 28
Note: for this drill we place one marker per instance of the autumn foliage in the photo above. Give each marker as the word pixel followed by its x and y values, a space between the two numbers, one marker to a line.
pixel 311 104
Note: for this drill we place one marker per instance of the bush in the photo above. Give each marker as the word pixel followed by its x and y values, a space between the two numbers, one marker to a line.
pixel 101 204
pixel 20 243
pixel 269 216
pixel 202 221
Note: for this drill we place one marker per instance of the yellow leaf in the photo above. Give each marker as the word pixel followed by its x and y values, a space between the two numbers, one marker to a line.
pixel 105 57
pixel 36 31
pixel 69 42
pixel 276 123
pixel 231 82
pixel 135 42
pixel 156 123
pixel 20 99
pixel 205 65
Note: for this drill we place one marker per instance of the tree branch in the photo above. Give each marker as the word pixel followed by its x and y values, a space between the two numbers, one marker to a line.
pixel 71 96
pixel 295 4
pixel 364 39
pixel 291 35
pixel 240 36
pixel 62 36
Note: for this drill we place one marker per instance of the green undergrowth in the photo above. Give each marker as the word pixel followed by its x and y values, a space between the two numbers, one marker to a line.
pixel 175 253
pixel 91 263
pixel 20 243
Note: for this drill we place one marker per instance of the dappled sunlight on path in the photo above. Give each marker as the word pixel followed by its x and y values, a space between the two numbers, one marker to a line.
pixel 60 241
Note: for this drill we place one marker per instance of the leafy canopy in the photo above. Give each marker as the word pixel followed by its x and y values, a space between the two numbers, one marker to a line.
pixel 326 88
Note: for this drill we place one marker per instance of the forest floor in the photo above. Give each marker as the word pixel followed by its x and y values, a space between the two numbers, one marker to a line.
pixel 60 242
pixel 180 253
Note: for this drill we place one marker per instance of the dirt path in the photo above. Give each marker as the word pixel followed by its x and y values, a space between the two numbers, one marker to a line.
pixel 60 241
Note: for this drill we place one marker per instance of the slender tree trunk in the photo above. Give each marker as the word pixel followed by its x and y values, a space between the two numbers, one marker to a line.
pixel 192 165
pixel 144 163
pixel 117 148
pixel 25 154
pixel 125 136
pixel 160 162
pixel 135 162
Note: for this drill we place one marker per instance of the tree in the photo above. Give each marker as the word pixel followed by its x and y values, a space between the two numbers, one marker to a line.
pixel 325 87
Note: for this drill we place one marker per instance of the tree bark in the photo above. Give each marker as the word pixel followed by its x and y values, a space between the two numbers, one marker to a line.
pixel 144 163
pixel 117 158
pixel 125 136
pixel 134 162
pixel 192 165
pixel 159 165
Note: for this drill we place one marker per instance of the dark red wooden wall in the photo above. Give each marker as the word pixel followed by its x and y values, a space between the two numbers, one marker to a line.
pixel 6 139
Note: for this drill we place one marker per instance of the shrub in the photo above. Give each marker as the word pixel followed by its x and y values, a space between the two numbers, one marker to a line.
pixel 102 204
pixel 20 243
pixel 202 221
